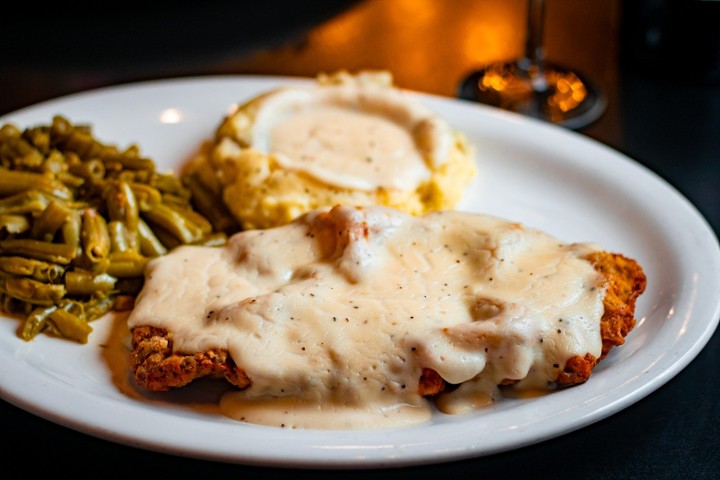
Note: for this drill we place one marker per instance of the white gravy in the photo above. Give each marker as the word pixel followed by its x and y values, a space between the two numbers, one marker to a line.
pixel 334 316
pixel 355 136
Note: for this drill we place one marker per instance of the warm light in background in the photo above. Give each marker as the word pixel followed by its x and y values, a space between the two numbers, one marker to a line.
pixel 423 35
pixel 430 45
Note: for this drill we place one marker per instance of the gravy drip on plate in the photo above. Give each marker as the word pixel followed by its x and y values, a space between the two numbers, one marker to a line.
pixel 334 316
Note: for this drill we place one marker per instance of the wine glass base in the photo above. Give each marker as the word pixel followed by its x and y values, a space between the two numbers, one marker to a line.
pixel 554 94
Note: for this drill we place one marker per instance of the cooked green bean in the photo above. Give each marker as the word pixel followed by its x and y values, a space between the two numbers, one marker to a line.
pixel 122 207
pixel 150 244
pixel 31 291
pixel 118 237
pixel 54 161
pixel 50 221
pixel 83 282
pixel 168 183
pixel 63 323
pixel 94 236
pixel 14 181
pixel 93 169
pixel 121 204
pixel 29 267
pixel 81 143
pixel 52 252
pixel 13 306
pixel 130 161
pixel 71 230
pixel 211 206
pixel 80 220
pixel 146 195
pixel 9 132
pixel 174 222
pixel 166 238
pixel 127 264
pixel 29 201
pixel 70 180
pixel 14 224
pixel 36 322
pixel 191 215
pixel 23 154
pixel 97 307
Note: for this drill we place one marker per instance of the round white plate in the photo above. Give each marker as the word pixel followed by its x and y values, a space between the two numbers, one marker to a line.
pixel 530 172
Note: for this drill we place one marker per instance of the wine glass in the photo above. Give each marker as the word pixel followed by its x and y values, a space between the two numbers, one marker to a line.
pixel 534 87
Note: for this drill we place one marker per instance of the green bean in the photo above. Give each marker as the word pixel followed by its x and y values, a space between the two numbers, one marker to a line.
pixel 80 220
pixel 166 238
pixel 118 237
pixel 36 322
pixel 82 282
pixel 97 307
pixel 63 323
pixel 150 244
pixel 54 161
pixel 211 206
pixel 15 181
pixel 174 222
pixel 71 229
pixel 52 252
pixel 9 132
pixel 91 170
pixel 14 224
pixel 174 201
pixel 122 206
pixel 131 161
pixel 28 267
pixel 50 220
pixel 168 183
pixel 13 306
pixel 31 291
pixel 22 153
pixel 81 143
pixel 70 180
pixel 203 223
pixel 29 201
pixel 94 236
pixel 127 264
pixel 145 195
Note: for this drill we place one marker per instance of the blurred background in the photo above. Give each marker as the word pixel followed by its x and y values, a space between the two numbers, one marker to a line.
pixel 657 61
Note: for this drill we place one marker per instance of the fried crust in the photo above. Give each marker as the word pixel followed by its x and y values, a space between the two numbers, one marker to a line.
pixel 156 367
pixel 625 281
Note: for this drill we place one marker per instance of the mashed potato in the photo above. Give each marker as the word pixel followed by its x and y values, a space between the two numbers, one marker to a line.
pixel 347 139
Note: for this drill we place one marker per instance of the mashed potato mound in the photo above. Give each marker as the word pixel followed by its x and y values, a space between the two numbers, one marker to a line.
pixel 346 139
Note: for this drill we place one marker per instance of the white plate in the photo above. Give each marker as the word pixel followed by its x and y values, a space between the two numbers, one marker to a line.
pixel 534 173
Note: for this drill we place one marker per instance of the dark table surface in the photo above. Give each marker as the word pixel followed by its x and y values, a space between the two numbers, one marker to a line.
pixel 663 111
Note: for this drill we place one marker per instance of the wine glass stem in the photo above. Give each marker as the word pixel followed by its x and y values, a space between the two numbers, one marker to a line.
pixel 532 62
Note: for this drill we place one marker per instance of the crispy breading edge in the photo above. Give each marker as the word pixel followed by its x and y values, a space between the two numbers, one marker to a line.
pixel 156 367
pixel 625 282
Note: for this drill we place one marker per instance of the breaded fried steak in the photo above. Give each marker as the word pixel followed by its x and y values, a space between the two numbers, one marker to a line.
pixel 351 309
